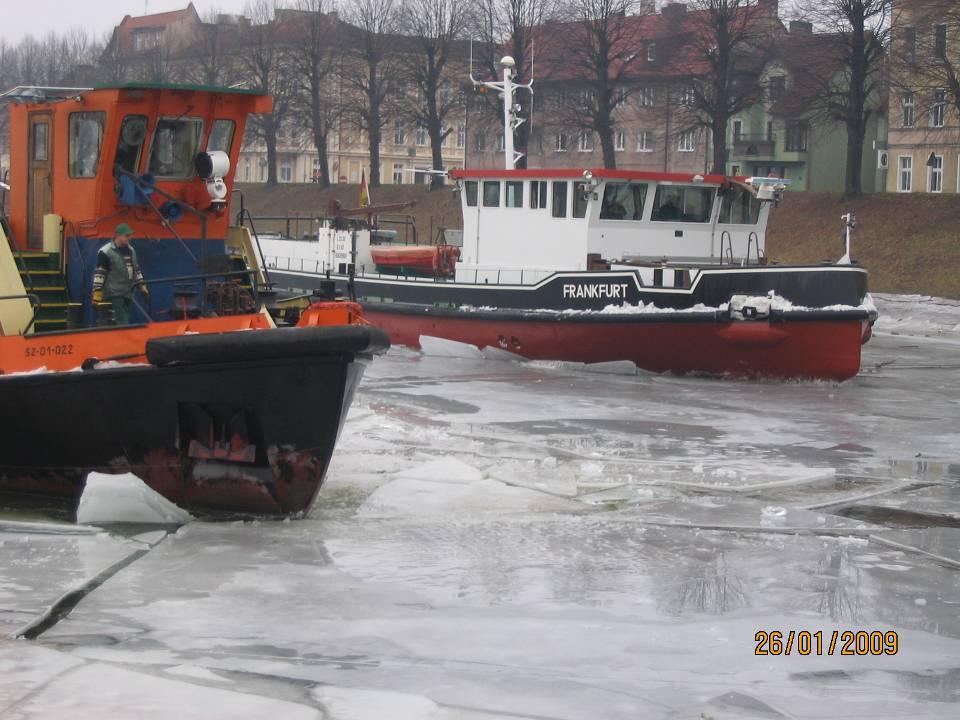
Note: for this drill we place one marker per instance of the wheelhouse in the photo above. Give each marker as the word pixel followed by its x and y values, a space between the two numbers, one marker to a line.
pixel 157 157
pixel 543 221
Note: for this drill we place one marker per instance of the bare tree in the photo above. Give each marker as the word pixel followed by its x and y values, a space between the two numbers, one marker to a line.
pixel 434 27
pixel 850 95
pixel 727 43
pixel 925 55
pixel 510 26
pixel 264 60
pixel 374 78
pixel 314 57
pixel 212 54
pixel 596 41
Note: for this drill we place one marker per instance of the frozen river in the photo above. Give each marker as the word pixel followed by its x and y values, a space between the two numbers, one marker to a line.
pixel 527 540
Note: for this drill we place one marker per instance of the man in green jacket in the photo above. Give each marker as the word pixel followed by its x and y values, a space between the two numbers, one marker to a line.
pixel 117 274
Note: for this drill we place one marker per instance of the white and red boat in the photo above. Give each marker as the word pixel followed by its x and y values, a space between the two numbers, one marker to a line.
pixel 591 265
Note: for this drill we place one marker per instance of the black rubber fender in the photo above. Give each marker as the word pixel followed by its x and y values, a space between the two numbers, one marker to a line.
pixel 245 345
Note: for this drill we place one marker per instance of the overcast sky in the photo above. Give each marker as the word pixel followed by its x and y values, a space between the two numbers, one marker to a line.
pixel 38 17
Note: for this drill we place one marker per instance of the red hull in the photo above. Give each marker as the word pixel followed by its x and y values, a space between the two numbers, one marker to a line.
pixel 792 348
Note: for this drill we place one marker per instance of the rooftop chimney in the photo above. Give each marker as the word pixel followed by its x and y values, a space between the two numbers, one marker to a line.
pixel 800 27
pixel 674 10
pixel 772 6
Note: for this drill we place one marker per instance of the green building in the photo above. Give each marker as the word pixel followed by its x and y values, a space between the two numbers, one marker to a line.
pixel 785 136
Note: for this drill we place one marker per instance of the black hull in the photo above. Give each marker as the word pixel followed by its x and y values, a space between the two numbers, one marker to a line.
pixel 806 286
pixel 208 433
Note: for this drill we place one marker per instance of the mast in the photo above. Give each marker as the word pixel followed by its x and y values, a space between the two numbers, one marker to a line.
pixel 511 120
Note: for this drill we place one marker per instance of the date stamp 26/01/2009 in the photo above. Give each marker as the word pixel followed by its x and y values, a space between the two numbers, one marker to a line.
pixel 836 642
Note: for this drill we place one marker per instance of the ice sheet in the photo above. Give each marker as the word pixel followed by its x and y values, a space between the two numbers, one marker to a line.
pixel 125 498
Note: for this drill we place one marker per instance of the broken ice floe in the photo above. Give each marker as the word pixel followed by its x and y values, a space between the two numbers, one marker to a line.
pixel 126 499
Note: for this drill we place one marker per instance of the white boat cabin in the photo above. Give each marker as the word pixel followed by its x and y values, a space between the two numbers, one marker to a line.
pixel 522 225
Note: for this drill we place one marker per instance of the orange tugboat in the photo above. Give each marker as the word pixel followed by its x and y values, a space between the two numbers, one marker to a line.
pixel 202 396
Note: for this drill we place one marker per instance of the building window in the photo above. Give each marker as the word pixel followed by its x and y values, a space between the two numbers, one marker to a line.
pixel 246 170
pixel 935 174
pixel 907 103
pixel 651 52
pixel 620 141
pixel 737 130
pixel 399 132
pixel 501 143
pixel 538 194
pixel 769 130
pixel 421 134
pixel 940 42
pixel 316 170
pixel 645 97
pixel 480 142
pixel 688 96
pixel 398 173
pixel 644 141
pixel 910 43
pixel 585 142
pixel 286 171
pixel 776 87
pixel 939 110
pixel 444 135
pixel 560 142
pixel 147 39
pixel 905 175
pixel 796 136
pixel 688 141
pixel 461 135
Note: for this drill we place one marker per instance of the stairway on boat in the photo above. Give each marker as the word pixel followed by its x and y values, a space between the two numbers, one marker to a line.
pixel 42 275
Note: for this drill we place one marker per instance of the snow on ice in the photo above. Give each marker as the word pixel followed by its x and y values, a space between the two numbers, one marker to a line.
pixel 536 540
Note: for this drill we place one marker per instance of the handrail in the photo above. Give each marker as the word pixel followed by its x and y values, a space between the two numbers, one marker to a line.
pixel 728 247
pixel 34 303
pixel 241 213
pixel 17 252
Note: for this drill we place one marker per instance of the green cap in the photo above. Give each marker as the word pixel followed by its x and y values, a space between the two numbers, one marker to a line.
pixel 123 229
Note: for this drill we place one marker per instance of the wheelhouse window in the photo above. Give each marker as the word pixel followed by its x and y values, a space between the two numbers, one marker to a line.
pixel 85 140
pixel 133 132
pixel 538 194
pixel 581 195
pixel 470 188
pixel 491 193
pixel 559 208
pixel 175 144
pixel 221 136
pixel 514 193
pixel 676 203
pixel 623 201
pixel 40 134
pixel 739 207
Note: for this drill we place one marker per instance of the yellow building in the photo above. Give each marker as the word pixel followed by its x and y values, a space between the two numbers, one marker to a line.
pixel 923 152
